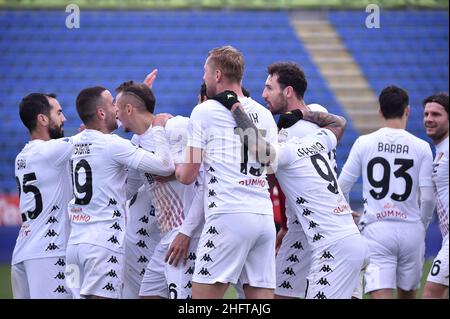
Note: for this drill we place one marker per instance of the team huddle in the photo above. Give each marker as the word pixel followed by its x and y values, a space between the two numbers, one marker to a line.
pixel 183 210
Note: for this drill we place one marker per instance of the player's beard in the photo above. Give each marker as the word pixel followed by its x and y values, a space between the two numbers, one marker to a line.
pixel 55 131
pixel 279 106
pixel 111 124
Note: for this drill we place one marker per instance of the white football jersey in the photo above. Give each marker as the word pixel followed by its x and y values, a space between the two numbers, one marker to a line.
pixel 311 189
pixel 43 177
pixel 99 170
pixel 394 164
pixel 171 199
pixel 301 129
pixel 234 180
pixel 440 183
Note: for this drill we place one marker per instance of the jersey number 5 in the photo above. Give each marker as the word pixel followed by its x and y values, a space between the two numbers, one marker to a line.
pixel 383 183
pixel 86 187
pixel 37 195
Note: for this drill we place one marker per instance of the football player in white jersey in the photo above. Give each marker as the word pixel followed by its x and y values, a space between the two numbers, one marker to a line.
pixel 97 212
pixel 238 239
pixel 43 179
pixel 436 125
pixel 284 91
pixel 174 202
pixel 338 250
pixel 396 172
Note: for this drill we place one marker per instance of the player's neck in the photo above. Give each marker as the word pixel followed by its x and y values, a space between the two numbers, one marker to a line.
pixel 296 104
pixel 40 135
pixel 143 122
pixel 395 123
pixel 439 140
pixel 235 87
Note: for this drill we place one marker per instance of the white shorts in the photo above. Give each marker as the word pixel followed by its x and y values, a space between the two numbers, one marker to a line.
pixel 40 278
pixel 141 237
pixel 237 246
pixel 94 271
pixel 439 270
pixel 293 263
pixel 166 281
pixel 335 268
pixel 396 253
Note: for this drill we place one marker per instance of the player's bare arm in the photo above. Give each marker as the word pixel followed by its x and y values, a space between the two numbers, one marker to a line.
pixel 332 122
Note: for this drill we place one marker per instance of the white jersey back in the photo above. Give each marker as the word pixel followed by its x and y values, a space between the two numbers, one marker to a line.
pixel 99 164
pixel 171 199
pixel 311 189
pixel 234 181
pixel 440 183
pixel 43 177
pixel 394 164
pixel 303 128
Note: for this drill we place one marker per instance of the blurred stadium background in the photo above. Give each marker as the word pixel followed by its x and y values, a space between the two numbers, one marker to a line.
pixel 346 63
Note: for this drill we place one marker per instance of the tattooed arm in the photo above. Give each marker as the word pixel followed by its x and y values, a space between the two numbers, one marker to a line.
pixel 334 123
pixel 249 134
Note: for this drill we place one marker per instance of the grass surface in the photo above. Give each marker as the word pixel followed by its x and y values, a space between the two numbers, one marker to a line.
pixel 6 292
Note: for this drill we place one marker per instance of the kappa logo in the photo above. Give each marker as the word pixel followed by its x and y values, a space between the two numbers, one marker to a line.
pixel 189 285
pixel 113 240
pixel 211 169
pixel 211 193
pixel 116 226
pixel 317 237
pixel 212 205
pixel 320 295
pixel 204 272
pixel 144 219
pixel 192 256
pixel 111 273
pixel 297 245
pixel 152 211
pixel 196 184
pixel 289 271
pixel 141 244
pixel 206 257
pixel 213 180
pixel 55 207
pixel 116 214
pixel 293 258
pixel 189 271
pixel 326 268
pixel 323 281
pixel 312 224
pixel 210 244
pixel 51 220
pixel 52 246
pixel 212 230
pixel 327 255
pixel 143 232
pixel 112 201
pixel 286 285
pixel 307 212
pixel 365 201
pixel 113 260
pixel 61 289
pixel 51 233
pixel 60 262
pixel 301 200
pixel 142 259
pixel 142 273
pixel 109 287
pixel 295 222
pixel 60 275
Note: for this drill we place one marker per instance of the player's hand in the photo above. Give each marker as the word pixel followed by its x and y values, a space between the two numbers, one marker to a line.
pixel 280 235
pixel 289 118
pixel 164 179
pixel 178 250
pixel 150 78
pixel 226 98
pixel 161 119
pixel 356 216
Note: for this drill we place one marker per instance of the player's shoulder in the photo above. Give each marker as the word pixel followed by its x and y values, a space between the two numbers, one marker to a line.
pixel 176 123
pixel 317 108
